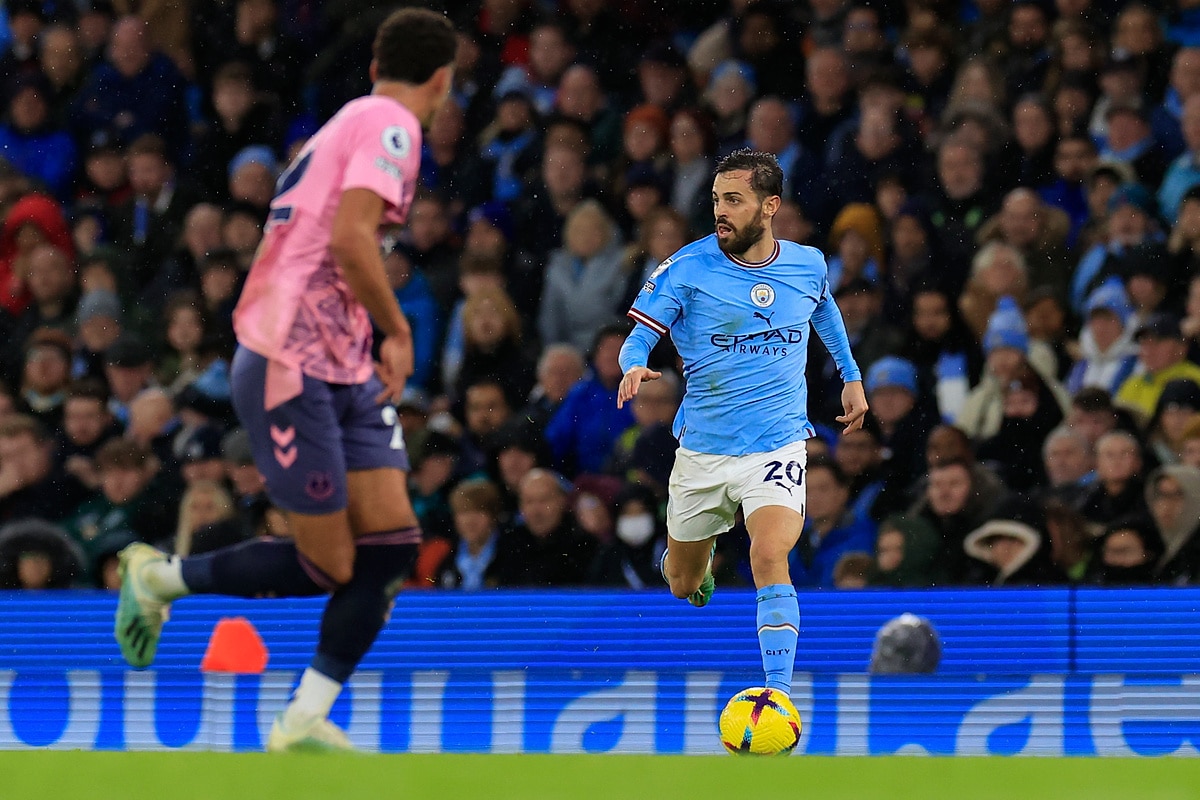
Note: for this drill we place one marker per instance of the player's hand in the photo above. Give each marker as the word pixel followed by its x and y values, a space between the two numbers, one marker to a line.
pixel 394 367
pixel 632 380
pixel 854 403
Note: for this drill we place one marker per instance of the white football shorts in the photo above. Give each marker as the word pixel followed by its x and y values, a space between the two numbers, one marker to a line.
pixel 705 490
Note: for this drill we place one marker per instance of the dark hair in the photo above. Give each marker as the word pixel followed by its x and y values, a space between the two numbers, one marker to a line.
pixel 23 425
pixel 609 329
pixel 412 44
pixel 123 453
pixel 88 389
pixel 766 177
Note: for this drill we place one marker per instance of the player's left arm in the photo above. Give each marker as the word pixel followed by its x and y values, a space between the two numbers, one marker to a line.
pixel 827 321
pixel 355 247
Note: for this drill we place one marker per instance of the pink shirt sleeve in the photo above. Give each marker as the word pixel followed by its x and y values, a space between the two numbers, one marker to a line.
pixel 382 157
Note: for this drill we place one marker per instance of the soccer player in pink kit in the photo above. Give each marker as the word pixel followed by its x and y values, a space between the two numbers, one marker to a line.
pixel 319 413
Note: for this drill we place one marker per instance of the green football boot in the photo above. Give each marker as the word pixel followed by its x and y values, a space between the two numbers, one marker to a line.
pixel 140 612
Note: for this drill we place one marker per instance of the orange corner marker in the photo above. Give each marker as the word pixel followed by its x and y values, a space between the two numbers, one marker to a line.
pixel 235 646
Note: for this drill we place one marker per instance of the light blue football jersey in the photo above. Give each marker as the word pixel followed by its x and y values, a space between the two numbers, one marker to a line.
pixel 742 332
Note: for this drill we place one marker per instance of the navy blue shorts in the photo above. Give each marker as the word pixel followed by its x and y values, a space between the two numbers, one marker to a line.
pixel 305 446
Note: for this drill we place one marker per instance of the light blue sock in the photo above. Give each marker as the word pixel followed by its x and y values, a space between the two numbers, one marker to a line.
pixel 778 630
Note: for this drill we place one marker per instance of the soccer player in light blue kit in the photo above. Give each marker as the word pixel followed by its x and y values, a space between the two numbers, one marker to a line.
pixel 738 305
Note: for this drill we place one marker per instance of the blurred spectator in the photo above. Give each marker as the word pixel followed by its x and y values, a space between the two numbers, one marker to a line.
pixel 184 329
pixel 1108 354
pixel 1011 549
pixel 1178 406
pixel 831 529
pixel 1069 464
pixel 148 224
pixel 44 377
pixel 731 88
pixel 631 559
pixel 508 146
pixel 1128 551
pixel 1029 412
pixel 853 571
pixel 584 279
pixel 692 142
pixel 587 423
pixel 1037 231
pixel 33 141
pixel 1173 497
pixel 856 246
pixel 998 270
pixel 1074 157
pixel 1183 173
pixel 87 425
pixel 37 555
pixel 420 308
pixel 199 454
pixel 98 321
pixel 32 221
pixel 907 554
pixel 428 234
pixel 434 464
pixel 1131 141
pixel 61 55
pixel 204 504
pixel 1131 229
pixel 474 560
pixel 581 96
pixel 645 452
pixel 128 369
pixel 559 368
pixel 51 283
pixel 1162 358
pixel 860 455
pixel 1119 488
pixel 240 120
pixel 125 505
pixel 546 549
pixel 1010 358
pixel 493 349
pixel 26 19
pixel 30 483
pixel 517 447
pixel 954 505
pixel 134 90
pixel 960 204
pixel 905 418
pixel 485 410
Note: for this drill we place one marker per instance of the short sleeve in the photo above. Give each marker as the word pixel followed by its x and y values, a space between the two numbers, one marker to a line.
pixel 382 157
pixel 658 304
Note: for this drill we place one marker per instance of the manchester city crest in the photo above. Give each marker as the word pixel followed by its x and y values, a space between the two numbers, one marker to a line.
pixel 762 295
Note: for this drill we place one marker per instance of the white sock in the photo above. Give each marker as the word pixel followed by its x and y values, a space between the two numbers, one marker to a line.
pixel 312 700
pixel 165 578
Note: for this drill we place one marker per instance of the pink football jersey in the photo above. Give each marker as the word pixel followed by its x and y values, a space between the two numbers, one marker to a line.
pixel 296 308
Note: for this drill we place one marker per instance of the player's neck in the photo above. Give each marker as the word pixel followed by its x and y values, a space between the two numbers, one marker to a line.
pixel 414 98
pixel 761 250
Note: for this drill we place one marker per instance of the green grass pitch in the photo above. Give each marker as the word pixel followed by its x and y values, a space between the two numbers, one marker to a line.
pixel 220 776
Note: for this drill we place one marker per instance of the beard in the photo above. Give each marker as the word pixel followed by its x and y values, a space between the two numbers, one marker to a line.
pixel 742 240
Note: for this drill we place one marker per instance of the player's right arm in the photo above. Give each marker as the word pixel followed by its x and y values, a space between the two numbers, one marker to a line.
pixel 355 246
pixel 656 308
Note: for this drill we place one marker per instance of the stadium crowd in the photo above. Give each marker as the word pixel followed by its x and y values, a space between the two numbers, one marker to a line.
pixel 1008 194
